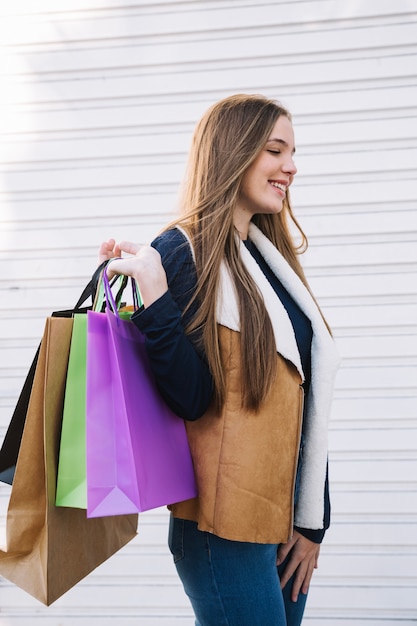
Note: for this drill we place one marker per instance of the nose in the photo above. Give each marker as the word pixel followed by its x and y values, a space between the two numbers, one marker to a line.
pixel 289 166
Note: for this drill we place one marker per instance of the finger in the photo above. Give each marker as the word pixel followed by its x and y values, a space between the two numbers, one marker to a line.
pixel 114 268
pixel 105 250
pixel 296 588
pixel 129 247
pixel 107 246
pixel 307 579
pixel 282 553
pixel 302 579
pixel 284 550
pixel 289 571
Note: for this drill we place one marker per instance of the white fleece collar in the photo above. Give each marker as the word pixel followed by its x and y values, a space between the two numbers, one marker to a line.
pixel 325 361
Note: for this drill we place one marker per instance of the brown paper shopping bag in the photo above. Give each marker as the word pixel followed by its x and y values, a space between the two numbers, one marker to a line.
pixel 50 549
pixel 11 444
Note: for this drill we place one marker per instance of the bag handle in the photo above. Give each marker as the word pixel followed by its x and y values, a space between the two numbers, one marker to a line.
pixel 99 299
pixel 92 287
pixel 112 302
pixel 90 290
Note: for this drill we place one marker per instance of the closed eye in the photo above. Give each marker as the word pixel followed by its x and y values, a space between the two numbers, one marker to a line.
pixel 275 151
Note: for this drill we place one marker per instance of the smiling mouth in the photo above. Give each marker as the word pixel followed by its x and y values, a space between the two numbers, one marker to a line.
pixel 283 188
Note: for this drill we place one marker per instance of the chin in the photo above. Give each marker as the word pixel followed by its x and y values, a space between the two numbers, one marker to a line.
pixel 275 210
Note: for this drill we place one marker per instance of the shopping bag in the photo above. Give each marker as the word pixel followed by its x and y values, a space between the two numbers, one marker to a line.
pixel 11 442
pixel 138 456
pixel 50 549
pixel 71 488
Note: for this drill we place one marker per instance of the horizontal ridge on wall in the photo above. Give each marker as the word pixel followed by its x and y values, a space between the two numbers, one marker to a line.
pixel 208 18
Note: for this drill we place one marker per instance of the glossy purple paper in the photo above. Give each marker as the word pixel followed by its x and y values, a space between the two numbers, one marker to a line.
pixel 138 456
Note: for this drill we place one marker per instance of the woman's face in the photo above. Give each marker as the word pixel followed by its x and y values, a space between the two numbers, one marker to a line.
pixel 266 181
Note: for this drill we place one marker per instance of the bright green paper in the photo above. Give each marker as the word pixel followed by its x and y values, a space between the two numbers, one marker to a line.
pixel 72 471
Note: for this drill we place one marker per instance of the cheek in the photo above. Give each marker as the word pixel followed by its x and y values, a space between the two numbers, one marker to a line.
pixel 247 186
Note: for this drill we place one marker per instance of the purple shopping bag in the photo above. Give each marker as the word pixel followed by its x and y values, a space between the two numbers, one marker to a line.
pixel 138 456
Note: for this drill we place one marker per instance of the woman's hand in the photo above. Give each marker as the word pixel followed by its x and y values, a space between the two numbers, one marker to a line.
pixel 144 265
pixel 303 556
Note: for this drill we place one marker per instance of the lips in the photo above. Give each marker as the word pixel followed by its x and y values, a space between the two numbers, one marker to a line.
pixel 277 185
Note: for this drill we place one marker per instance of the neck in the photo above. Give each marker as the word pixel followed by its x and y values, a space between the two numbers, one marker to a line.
pixel 241 221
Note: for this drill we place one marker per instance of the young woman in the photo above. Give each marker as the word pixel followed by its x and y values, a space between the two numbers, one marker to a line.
pixel 240 351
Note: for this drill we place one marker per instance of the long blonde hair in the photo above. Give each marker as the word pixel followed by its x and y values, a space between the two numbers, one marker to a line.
pixel 226 141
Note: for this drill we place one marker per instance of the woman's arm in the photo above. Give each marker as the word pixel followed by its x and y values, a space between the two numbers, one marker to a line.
pixel 165 274
pixel 181 373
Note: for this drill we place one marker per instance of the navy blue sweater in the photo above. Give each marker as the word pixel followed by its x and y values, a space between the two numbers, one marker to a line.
pixel 177 360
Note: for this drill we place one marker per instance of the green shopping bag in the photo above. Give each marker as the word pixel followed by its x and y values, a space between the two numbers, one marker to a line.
pixel 71 487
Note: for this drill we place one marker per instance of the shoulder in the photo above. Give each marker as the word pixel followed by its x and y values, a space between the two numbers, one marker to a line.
pixel 176 255
pixel 172 243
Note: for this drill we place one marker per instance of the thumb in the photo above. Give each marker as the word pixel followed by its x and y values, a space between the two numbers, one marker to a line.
pixel 283 552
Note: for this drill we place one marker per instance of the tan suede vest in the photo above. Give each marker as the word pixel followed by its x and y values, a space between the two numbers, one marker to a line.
pixel 245 463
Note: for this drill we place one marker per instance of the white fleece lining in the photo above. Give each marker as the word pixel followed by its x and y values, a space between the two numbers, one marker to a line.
pixel 324 362
pixel 228 309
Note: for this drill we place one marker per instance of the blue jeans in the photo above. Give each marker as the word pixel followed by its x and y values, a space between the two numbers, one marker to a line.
pixel 231 583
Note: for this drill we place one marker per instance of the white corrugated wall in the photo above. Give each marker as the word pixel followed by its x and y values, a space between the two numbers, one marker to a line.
pixel 99 101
